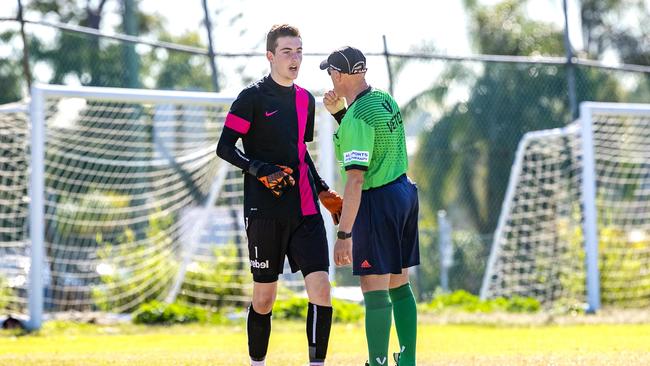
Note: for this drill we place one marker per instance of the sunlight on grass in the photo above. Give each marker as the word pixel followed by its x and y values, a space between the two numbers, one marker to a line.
pixel 65 344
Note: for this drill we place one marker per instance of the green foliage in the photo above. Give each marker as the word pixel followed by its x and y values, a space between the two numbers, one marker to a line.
pixel 6 292
pixel 429 270
pixel 464 301
pixel 513 32
pixel 90 214
pixel 618 25
pixel 623 265
pixel 131 257
pixel 463 162
pixel 101 62
pixel 10 79
pixel 468 261
pixel 569 232
pixel 454 299
pixel 220 280
pixel 292 308
pixel 140 271
pixel 156 312
pixel 92 61
pixel 11 73
pixel 468 265
pixel 296 308
pixel 518 304
pixel 347 311
pixel 180 70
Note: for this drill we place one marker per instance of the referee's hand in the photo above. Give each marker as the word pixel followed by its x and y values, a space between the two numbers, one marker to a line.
pixel 343 252
pixel 333 103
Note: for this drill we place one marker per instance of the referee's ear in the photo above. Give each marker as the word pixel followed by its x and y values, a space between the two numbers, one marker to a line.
pixel 270 56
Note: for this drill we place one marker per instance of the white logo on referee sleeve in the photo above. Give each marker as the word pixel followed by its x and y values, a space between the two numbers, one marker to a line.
pixel 357 156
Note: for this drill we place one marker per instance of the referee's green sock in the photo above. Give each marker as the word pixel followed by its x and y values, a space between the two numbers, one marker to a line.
pixel 378 322
pixel 406 322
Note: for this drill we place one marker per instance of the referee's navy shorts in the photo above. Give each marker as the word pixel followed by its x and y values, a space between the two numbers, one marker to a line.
pixel 385 233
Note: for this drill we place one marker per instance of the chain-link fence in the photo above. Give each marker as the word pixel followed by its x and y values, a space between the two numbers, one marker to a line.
pixel 473 116
pixel 465 116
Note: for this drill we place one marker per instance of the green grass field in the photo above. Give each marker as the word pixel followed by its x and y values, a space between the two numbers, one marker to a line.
pixel 65 344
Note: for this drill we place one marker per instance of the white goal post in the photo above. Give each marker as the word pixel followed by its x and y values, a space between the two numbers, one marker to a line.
pixel 128 202
pixel 574 228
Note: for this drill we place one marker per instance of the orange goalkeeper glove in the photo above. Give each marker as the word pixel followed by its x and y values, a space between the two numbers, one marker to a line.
pixel 333 202
pixel 277 178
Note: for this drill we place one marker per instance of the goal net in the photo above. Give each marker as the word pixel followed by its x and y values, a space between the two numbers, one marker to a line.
pixel 127 203
pixel 14 261
pixel 575 223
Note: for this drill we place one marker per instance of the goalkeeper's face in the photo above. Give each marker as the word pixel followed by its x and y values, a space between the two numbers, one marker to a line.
pixel 286 60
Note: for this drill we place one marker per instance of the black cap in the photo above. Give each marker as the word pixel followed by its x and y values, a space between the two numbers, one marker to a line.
pixel 347 60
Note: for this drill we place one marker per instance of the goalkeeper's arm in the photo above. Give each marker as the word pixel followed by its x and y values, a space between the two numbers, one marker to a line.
pixel 332 201
pixel 227 150
pixel 274 177
pixel 318 181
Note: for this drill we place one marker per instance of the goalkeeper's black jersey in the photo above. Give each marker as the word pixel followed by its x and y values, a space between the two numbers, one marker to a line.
pixel 274 122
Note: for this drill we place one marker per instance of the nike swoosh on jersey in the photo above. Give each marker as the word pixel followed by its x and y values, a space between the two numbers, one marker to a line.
pixel 269 114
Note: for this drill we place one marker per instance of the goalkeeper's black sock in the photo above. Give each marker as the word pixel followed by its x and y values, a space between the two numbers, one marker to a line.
pixel 319 323
pixel 259 332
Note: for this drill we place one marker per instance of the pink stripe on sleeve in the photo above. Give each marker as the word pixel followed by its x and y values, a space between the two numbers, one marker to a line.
pixel 237 123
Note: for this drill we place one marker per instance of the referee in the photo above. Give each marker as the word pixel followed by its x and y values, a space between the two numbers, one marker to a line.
pixel 380 212
pixel 274 118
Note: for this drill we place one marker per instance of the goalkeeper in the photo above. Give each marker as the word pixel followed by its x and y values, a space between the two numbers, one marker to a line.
pixel 274 118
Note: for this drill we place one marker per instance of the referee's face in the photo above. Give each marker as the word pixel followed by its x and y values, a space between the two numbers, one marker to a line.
pixel 337 78
pixel 286 60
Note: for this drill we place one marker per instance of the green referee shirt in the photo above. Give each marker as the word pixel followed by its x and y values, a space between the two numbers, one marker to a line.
pixel 371 138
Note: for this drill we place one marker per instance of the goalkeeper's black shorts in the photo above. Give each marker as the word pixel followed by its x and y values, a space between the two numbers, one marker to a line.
pixel 301 239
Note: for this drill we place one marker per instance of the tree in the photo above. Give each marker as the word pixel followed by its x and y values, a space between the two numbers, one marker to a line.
pixel 10 74
pixel 73 54
pixel 622 26
pixel 91 60
pixel 180 70
pixel 463 163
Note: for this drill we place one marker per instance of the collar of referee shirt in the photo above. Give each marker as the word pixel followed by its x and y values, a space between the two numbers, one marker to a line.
pixel 348 60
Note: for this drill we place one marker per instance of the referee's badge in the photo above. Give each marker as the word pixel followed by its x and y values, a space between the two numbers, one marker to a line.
pixel 358 156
